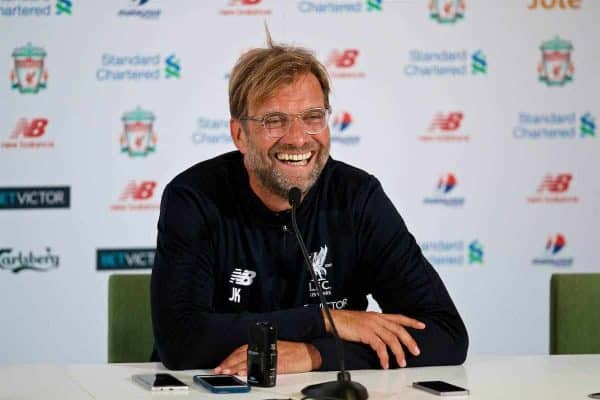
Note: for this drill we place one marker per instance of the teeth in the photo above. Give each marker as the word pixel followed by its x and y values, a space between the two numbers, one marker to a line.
pixel 293 157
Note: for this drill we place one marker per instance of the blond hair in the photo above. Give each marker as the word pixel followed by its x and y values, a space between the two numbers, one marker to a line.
pixel 258 73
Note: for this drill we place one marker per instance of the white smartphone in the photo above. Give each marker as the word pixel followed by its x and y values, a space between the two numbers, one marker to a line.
pixel 158 382
pixel 441 388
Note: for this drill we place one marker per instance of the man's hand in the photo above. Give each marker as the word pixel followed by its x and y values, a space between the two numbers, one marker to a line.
pixel 292 357
pixel 378 331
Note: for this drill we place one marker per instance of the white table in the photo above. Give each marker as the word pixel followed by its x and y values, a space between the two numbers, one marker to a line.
pixel 522 377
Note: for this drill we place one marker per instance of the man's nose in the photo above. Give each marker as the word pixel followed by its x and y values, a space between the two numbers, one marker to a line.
pixel 295 134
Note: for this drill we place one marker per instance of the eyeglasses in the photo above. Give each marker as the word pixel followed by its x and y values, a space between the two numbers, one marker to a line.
pixel 277 124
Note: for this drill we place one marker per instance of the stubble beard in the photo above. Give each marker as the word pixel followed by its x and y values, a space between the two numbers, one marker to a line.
pixel 273 179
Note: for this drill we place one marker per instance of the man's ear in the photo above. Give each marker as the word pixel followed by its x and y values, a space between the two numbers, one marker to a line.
pixel 238 135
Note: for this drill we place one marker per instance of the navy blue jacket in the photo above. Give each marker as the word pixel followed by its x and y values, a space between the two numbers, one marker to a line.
pixel 225 261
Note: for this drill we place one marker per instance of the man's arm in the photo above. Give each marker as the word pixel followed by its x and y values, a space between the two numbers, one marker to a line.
pixel 292 357
pixel 404 282
pixel 373 340
pixel 419 325
pixel 356 355
pixel 187 330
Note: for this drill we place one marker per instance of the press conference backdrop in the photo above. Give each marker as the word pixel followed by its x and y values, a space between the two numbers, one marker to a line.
pixel 480 118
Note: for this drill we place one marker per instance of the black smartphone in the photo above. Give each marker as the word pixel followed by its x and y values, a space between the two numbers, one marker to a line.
pixel 441 388
pixel 158 382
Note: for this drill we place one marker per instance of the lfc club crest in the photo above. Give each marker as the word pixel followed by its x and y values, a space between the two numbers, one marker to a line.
pixel 317 260
pixel 138 138
pixel 556 67
pixel 29 74
pixel 447 11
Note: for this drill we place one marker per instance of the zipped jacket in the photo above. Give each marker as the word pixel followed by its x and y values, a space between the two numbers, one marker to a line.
pixel 225 261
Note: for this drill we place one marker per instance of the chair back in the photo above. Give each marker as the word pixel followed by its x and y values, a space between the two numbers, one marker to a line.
pixel 575 314
pixel 130 337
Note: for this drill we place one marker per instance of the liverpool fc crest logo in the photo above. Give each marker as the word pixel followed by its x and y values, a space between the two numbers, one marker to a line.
pixel 556 67
pixel 317 259
pixel 318 263
pixel 29 75
pixel 138 138
pixel 447 11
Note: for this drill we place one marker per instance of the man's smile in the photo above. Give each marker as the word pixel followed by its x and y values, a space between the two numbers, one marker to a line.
pixel 295 159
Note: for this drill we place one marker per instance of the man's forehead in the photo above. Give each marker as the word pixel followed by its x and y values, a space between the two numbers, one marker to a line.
pixel 303 92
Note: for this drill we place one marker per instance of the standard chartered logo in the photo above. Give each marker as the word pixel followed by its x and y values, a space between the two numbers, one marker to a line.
pixel 554 125
pixel 461 62
pixel 340 6
pixel 453 252
pixel 478 63
pixel 588 125
pixel 374 5
pixel 212 131
pixel 137 67
pixel 63 7
pixel 172 67
pixel 475 252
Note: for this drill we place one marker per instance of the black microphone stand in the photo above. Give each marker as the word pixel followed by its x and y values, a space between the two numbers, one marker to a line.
pixel 343 388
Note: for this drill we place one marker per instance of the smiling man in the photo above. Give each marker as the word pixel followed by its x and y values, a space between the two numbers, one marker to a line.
pixel 227 257
pixel 284 150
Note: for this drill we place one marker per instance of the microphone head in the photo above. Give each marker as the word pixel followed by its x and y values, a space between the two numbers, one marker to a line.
pixel 294 196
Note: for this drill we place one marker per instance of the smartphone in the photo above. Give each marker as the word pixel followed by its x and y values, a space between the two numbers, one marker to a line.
pixel 158 382
pixel 441 388
pixel 222 383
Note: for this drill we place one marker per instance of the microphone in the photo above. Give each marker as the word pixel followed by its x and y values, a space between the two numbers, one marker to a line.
pixel 294 196
pixel 343 388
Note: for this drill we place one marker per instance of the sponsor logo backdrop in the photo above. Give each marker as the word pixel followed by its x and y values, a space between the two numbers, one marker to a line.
pixel 480 118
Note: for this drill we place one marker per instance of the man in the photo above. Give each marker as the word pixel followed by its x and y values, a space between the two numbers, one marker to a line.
pixel 227 256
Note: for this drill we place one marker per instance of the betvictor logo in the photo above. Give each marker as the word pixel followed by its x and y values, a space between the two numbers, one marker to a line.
pixel 115 259
pixel 35 197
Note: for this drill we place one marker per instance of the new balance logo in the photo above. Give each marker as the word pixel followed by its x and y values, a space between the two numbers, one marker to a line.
pixel 33 129
pixel 143 191
pixel 342 59
pixel 555 184
pixel 446 122
pixel 242 277
pixel 554 189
